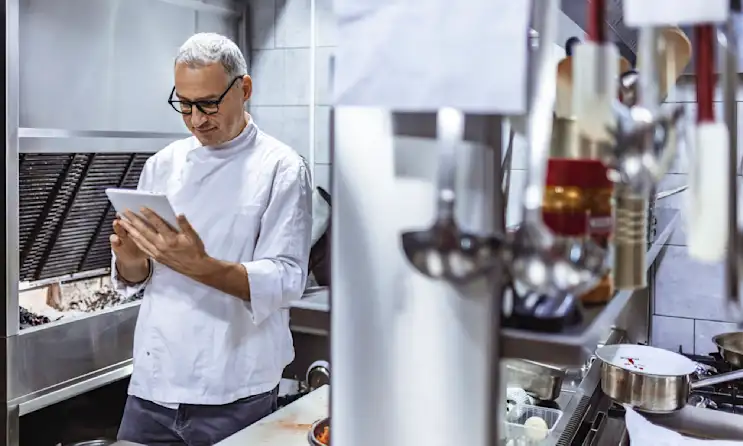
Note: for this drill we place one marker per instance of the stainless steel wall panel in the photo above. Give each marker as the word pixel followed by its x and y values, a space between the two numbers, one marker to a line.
pixel 112 62
pixel 10 118
pixel 223 8
pixel 39 133
pixel 43 358
pixel 92 145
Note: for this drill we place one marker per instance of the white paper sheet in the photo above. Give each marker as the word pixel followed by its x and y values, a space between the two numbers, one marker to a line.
pixel 421 55
pixel 674 12
pixel 644 433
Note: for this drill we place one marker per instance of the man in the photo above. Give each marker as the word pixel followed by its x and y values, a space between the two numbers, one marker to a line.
pixel 212 338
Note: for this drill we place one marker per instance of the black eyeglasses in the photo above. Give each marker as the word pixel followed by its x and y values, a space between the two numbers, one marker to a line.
pixel 205 107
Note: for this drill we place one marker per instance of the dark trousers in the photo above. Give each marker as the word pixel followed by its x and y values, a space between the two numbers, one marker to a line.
pixel 151 424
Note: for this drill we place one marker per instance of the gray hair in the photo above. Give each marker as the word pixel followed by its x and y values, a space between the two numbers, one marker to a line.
pixel 207 48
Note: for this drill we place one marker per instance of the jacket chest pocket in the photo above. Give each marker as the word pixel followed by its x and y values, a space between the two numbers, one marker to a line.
pixel 232 238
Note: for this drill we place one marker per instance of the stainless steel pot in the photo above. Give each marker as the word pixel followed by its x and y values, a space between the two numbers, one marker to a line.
pixel 654 393
pixel 730 346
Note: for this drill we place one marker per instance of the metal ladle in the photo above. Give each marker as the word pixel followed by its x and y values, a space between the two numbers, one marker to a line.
pixel 646 137
pixel 646 145
pixel 445 251
pixel 546 264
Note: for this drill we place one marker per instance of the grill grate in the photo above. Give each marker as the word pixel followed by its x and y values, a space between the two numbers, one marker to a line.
pixel 574 423
pixel 65 217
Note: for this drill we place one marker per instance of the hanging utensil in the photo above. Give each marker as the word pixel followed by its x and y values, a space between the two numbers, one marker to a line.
pixel 564 98
pixel 630 240
pixel 674 56
pixel 595 70
pixel 707 219
pixel 540 261
pixel 651 379
pixel 646 137
pixel 445 251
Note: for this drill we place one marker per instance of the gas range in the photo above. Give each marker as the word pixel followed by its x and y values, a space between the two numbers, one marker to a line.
pixel 726 397
pixel 601 421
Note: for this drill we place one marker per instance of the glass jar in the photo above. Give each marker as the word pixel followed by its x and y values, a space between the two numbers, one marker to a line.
pixel 578 203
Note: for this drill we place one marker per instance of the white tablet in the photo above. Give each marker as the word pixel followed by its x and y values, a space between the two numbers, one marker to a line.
pixel 134 200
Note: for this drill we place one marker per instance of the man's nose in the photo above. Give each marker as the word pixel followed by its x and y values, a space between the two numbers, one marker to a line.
pixel 197 117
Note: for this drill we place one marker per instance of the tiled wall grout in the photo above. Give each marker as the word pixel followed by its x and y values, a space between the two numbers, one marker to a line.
pixel 279 48
pixel 686 290
pixel 280 66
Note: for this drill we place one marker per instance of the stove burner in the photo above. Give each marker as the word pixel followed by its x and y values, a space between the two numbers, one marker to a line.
pixel 726 397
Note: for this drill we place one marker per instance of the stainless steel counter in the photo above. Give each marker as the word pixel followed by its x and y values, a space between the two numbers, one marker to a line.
pixel 56 361
pixel 288 426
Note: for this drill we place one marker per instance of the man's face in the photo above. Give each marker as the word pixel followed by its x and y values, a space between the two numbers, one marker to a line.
pixel 208 83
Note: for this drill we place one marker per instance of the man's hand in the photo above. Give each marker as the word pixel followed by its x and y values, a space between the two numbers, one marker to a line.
pixel 131 262
pixel 124 247
pixel 182 251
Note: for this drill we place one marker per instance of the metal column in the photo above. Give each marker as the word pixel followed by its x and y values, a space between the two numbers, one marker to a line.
pixel 415 361
pixel 10 74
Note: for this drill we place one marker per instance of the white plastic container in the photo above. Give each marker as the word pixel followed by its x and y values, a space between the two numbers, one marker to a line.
pixel 515 433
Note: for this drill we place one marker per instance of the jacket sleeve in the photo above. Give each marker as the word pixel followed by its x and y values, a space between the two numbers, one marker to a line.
pixel 124 288
pixel 278 273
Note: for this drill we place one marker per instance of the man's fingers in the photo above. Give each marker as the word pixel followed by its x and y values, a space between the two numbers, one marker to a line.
pixel 119 230
pixel 134 223
pixel 185 225
pixel 142 242
pixel 162 227
pixel 115 240
pixel 146 248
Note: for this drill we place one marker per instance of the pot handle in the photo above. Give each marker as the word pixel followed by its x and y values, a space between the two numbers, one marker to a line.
pixel 718 379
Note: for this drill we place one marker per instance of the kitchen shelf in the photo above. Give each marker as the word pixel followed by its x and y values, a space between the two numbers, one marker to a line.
pixel 575 347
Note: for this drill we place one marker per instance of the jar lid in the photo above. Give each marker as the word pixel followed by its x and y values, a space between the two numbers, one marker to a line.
pixel 588 174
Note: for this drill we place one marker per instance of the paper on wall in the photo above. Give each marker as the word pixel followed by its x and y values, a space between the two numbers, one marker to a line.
pixel 421 55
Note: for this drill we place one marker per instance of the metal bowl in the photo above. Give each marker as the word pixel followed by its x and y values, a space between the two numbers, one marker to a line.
pixel 316 429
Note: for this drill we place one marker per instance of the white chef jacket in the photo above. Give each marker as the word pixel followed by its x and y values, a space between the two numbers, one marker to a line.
pixel 250 200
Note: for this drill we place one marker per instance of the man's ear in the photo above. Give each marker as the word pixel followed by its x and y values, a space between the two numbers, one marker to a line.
pixel 247 87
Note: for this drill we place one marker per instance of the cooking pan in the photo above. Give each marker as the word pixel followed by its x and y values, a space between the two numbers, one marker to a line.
pixel 543 381
pixel 651 379
pixel 730 346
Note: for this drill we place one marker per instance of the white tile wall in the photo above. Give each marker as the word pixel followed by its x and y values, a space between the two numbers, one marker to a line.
pixel 326 38
pixel 292 23
pixel 673 333
pixel 685 289
pixel 263 19
pixel 280 67
pixel 705 330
